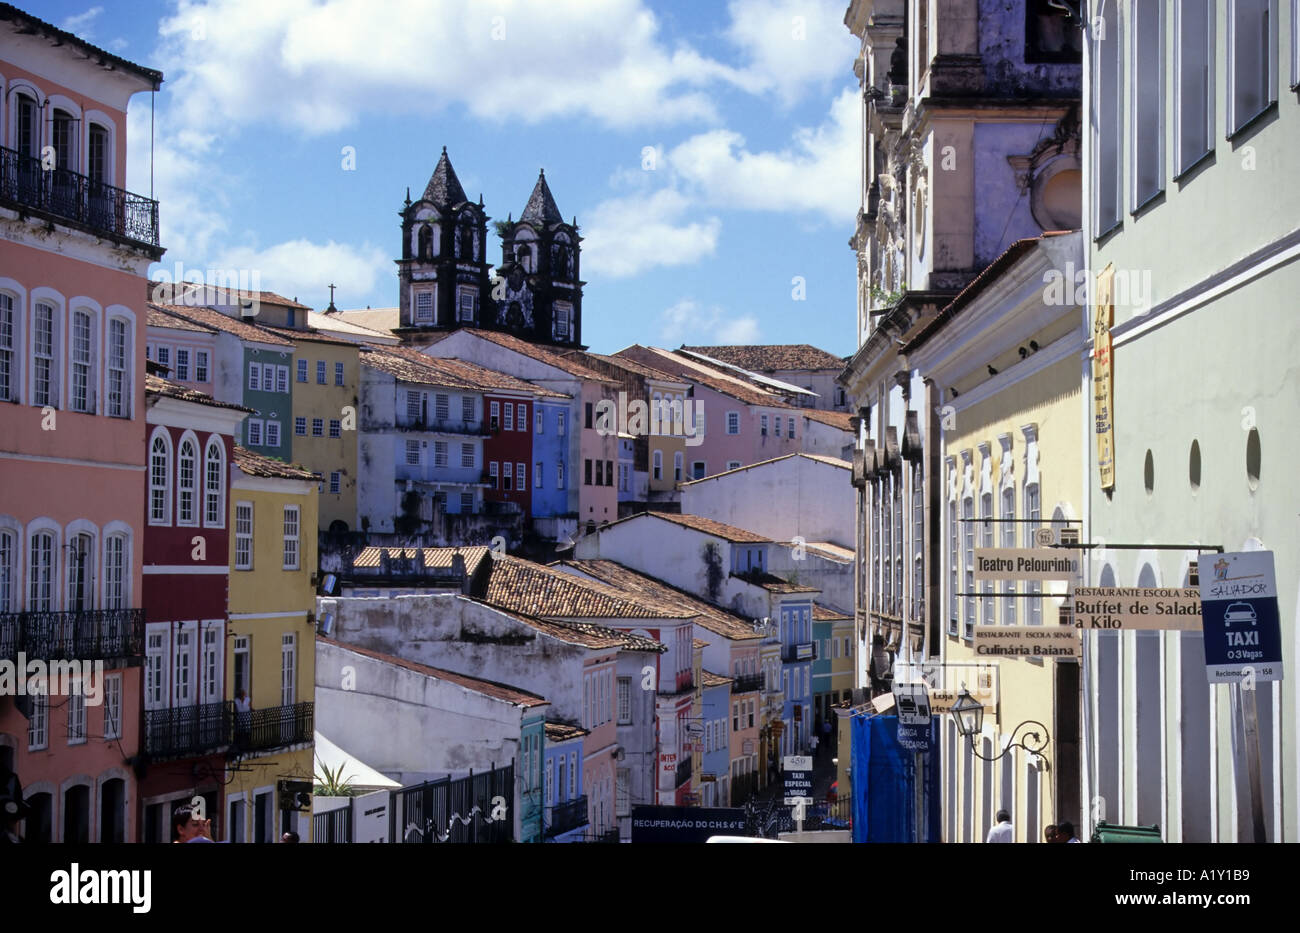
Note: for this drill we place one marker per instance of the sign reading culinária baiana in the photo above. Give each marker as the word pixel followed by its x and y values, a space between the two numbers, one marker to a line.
pixel 1025 564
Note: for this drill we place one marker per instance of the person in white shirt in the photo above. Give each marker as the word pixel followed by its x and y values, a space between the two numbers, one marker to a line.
pixel 1065 833
pixel 1003 831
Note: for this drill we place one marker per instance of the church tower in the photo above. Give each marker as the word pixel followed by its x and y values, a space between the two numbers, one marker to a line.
pixel 443 272
pixel 540 296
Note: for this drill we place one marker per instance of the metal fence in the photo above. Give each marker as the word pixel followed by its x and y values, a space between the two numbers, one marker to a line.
pixel 476 808
pixel 334 826
pixel 81 634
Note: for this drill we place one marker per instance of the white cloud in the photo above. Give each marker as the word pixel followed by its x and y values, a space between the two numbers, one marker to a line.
pixel 304 269
pixel 817 173
pixel 625 236
pixel 79 25
pixel 686 322
pixel 791 45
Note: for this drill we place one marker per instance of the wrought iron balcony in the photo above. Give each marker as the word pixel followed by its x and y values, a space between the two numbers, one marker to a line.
pixel 747 683
pixel 187 731
pixel 567 815
pixel 82 634
pixel 683 770
pixel 446 426
pixel 806 651
pixel 261 730
pixel 69 197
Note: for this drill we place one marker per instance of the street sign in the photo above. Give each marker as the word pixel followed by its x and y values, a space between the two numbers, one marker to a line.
pixel 797 763
pixel 1136 608
pixel 797 778
pixel 1028 641
pixel 1240 615
pixel 883 703
pixel 916 738
pixel 913 704
pixel 686 824
pixel 1025 563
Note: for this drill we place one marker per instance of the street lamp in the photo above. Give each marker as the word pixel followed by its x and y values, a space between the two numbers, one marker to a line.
pixel 969 714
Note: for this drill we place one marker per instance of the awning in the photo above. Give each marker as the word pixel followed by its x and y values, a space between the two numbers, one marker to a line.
pixel 357 772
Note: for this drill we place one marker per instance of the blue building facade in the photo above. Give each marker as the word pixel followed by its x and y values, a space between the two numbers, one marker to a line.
pixel 798 653
pixel 715 764
pixel 564 813
pixel 551 429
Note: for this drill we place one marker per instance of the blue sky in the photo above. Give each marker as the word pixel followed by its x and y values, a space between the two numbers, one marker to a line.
pixel 709 150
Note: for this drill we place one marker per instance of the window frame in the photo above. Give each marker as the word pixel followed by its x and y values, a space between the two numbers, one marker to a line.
pixel 1140 125
pixel 241 536
pixel 53 376
pixel 165 488
pixel 321 373
pixel 89 366
pixel 1183 162
pixel 1237 123
pixel 292 543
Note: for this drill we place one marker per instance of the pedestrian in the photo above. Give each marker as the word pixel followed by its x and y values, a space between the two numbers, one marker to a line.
pixel 12 812
pixel 1003 831
pixel 1049 833
pixel 1065 832
pixel 187 828
pixel 243 716
pixel 289 837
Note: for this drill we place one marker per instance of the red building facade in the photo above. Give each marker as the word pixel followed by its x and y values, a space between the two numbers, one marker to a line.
pixel 508 451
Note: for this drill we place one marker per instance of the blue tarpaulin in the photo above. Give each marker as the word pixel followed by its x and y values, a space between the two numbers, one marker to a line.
pixel 885 783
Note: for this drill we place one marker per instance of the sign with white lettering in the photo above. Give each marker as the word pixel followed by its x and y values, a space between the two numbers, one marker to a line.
pixel 1028 641
pixel 913 704
pixel 1137 608
pixel 1243 632
pixel 1025 564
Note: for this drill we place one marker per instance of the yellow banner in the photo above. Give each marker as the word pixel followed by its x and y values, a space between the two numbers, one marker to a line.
pixel 1102 396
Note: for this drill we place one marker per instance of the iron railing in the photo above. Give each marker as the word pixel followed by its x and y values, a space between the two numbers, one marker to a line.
pixel 567 815
pixel 455 810
pixel 187 731
pixel 64 195
pixel 82 634
pixel 446 426
pixel 747 683
pixel 275 727
pixel 334 826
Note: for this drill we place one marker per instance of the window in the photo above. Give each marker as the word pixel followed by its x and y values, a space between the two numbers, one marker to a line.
pixel 113 706
pixel 115 572
pixel 80 551
pixel 268 378
pixel 538 423
pixel 440 453
pixel 790 428
pixel 968 534
pixel 918 542
pixel 586 472
pixel 521 422
pixel 336 428
pixel 119 386
pixel 1034 514
pixel 733 464
pixel 160 468
pixel 1193 82
pixel 282 378
pixel 624 477
pixel 467 455
pixel 273 434
pixel 467 408
pixel 563 314
pixel 467 502
pixel 38 727
pixel 492 473
pixel 83 382
pixel 8 351
pixel 302 370
pixel 441 407
pixel 412 453
pixel 1108 136
pixel 559 422
pixel 424 306
pixel 254 432
pixel 254 375
pixel 589 414
pixel 559 475
pixel 300 426
pixel 1147 45
pixel 468 300
pixel 243 536
pixel 658 471
pixel 733 422
pixel 677 466
pixel 537 476
pixel 97 160
pixel 509 424
pixel 317 427
pixel 336 481
pixel 182 364
pixel 600 472
pixel 164 356
pixel 507 475
pixel 1008 537
pixel 494 414
pixel 200 365
pixel 986 541
pixel 44 371
pixel 214 511
pixel 209 671
pixel 1252 60
pixel 288 669
pixel 76 713
pixel 762 425
pixel 338 374
pixel 521 476
pixel 291 537
pixel 320 372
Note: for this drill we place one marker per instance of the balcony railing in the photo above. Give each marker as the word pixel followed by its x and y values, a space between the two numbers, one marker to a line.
pixel 63 195
pixel 683 770
pixel 275 727
pixel 566 816
pixel 747 683
pixel 803 652
pixel 82 634
pixel 187 731
pixel 446 426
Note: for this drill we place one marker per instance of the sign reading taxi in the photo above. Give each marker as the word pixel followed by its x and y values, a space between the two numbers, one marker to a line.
pixel 1243 631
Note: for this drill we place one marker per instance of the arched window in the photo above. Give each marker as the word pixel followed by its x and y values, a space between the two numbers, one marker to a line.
pixel 160 457
pixel 466 241
pixel 186 466
pixel 45 372
pixel 214 510
pixel 27 129
pixel 425 248
pixel 40 586
pixel 8 571
pixel 118 353
pixel 82 362
pixel 81 572
pixel 10 352
pixel 115 572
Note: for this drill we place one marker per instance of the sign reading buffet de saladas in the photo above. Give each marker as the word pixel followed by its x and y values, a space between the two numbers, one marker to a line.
pixel 1137 608
pixel 1028 641
pixel 1025 563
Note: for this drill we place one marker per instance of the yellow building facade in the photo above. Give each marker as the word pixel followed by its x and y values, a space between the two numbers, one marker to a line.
pixel 271 648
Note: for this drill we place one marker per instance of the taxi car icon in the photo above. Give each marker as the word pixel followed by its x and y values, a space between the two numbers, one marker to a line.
pixel 1240 613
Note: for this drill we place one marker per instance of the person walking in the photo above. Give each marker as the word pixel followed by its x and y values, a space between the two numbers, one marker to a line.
pixel 1003 831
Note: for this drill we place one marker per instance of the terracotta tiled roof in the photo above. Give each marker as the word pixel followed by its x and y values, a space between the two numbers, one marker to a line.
pixel 709 526
pixel 829 461
pixel 382 320
pixel 836 419
pixel 237 295
pixel 638 585
pixel 635 366
pixel 563 732
pixel 157 318
pixel 338 324
pixel 156 385
pixel 587 634
pixel 485 378
pixel 487 688
pixel 534 590
pixel 774 584
pixel 312 335
pixel 218 321
pixel 699 643
pixel 541 354
pixel 710 679
pixel 435 558
pixel 769 358
pixel 827 614
pixel 257 465
pixel 697 371
pixel 827 549
pixel 410 365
